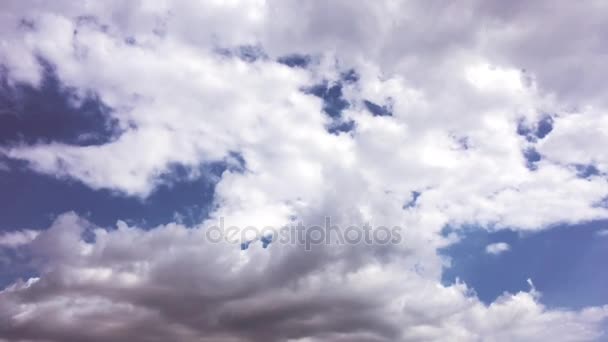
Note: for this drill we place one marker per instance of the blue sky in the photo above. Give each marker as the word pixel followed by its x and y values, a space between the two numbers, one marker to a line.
pixel 34 200
pixel 562 262
pixel 129 132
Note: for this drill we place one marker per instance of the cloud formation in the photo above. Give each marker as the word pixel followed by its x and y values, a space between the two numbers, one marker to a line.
pixel 169 283
pixel 497 248
pixel 471 90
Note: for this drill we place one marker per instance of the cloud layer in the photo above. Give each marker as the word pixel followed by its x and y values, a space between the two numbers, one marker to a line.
pixel 430 115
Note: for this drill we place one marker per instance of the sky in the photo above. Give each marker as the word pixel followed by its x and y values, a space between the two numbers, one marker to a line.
pixel 465 139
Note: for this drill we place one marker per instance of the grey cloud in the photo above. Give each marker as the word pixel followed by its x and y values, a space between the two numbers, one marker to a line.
pixel 123 287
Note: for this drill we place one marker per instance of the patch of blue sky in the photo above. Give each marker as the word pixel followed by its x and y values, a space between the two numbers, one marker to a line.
pixel 295 60
pixel 566 263
pixel 52 113
pixel 378 110
pixel 32 200
pixel 536 131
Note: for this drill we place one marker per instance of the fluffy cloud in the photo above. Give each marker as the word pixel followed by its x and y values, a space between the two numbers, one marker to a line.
pixel 188 88
pixel 172 283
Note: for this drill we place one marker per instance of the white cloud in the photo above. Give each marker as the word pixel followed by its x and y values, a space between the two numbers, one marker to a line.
pixel 451 74
pixel 497 248
pixel 578 139
pixel 184 100
pixel 17 238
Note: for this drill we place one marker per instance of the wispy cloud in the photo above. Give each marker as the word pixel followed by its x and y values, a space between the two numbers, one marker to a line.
pixel 17 238
pixel 497 248
pixel 602 233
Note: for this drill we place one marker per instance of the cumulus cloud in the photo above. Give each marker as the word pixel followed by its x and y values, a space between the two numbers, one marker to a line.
pixel 497 248
pixel 170 283
pixel 191 83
